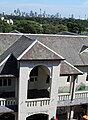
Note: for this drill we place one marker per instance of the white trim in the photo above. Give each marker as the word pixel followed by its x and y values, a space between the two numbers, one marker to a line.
pixel 5 60
pixel 26 50
pixel 73 66
pixel 84 51
pixel 80 36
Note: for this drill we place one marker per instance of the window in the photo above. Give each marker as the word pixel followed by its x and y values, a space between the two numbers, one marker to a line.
pixel 48 79
pixel 9 82
pixel 5 82
pixel 34 74
pixel 0 82
pixel 87 78
pixel 33 78
pixel 68 79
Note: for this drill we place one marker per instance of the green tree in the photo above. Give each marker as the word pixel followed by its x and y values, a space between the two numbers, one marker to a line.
pixel 5 27
pixel 74 27
pixel 27 26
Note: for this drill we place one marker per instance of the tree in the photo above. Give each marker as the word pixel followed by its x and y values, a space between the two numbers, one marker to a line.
pixel 5 27
pixel 27 26
pixel 74 27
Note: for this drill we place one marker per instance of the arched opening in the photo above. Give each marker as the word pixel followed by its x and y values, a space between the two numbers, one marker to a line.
pixel 38 117
pixel 39 83
pixel 7 116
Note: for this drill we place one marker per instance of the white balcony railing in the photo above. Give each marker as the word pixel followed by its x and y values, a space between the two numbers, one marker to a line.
pixel 63 96
pixel 37 102
pixel 7 101
pixel 11 101
pixel 2 101
pixel 81 94
pixel 78 95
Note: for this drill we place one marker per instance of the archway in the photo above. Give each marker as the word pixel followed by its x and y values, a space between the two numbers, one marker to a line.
pixel 39 82
pixel 38 117
pixel 7 116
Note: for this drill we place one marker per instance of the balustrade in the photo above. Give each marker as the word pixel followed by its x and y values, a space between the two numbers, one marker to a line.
pixel 38 102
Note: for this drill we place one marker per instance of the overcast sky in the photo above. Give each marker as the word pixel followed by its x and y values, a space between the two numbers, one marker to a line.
pixel 64 7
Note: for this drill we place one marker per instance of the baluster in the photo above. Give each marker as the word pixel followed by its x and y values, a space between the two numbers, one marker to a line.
pixel 40 103
pixel 35 103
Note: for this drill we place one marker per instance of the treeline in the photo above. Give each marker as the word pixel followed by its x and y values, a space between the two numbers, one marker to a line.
pixel 44 25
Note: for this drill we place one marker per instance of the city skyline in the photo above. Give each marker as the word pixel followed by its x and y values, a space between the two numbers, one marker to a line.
pixel 65 8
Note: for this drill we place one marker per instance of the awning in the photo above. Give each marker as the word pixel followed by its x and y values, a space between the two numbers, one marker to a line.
pixel 72 103
pixel 4 109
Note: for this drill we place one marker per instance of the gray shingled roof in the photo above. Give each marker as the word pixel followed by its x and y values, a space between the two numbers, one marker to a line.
pixel 17 48
pixel 67 69
pixel 67 46
pixel 6 40
pixel 4 109
pixel 72 103
pixel 40 52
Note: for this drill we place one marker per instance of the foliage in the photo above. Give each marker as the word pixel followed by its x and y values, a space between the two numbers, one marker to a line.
pixel 44 25
pixel 26 26
pixel 5 27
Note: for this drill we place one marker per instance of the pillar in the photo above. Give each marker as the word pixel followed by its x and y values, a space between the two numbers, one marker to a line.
pixel 55 72
pixel 73 86
pixel 70 113
pixel 72 94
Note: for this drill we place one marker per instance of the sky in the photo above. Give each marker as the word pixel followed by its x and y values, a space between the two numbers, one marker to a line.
pixel 79 8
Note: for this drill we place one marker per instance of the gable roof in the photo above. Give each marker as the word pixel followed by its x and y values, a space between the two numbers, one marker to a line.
pixel 39 51
pixel 17 48
pixel 67 46
pixel 84 47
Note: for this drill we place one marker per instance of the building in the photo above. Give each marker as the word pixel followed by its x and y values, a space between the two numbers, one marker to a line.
pixel 43 76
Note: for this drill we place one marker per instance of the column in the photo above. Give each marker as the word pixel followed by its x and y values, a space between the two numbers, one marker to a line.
pixel 55 72
pixel 70 113
pixel 73 86
pixel 72 94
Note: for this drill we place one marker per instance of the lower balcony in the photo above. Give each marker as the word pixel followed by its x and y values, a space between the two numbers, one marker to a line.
pixel 8 105
pixel 64 99
pixel 8 101
pixel 67 96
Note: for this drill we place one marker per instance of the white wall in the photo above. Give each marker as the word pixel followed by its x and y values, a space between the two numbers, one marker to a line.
pixel 25 68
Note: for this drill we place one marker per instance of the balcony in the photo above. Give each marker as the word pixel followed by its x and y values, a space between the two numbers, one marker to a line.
pixel 37 102
pixel 78 95
pixel 8 101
